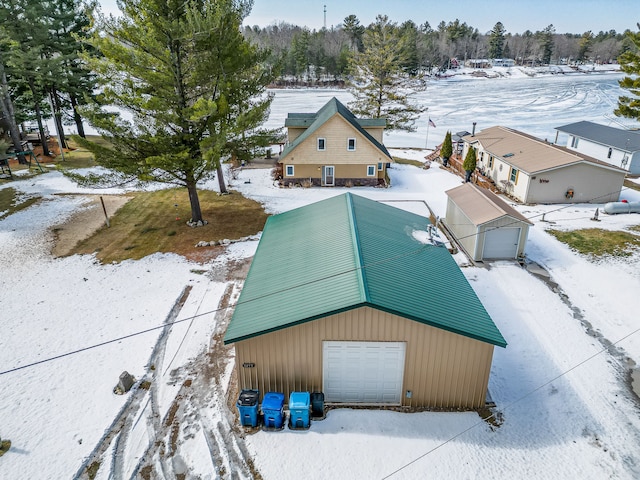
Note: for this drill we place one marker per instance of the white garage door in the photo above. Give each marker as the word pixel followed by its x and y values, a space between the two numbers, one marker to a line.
pixel 501 243
pixel 363 372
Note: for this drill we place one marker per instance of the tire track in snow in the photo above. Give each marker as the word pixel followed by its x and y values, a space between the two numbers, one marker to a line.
pixel 201 405
pixel 122 424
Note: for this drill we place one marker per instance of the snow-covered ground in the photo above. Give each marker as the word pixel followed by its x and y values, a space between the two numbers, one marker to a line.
pixel 561 386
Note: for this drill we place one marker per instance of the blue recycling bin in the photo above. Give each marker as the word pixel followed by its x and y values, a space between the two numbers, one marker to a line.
pixel 248 407
pixel 273 410
pixel 299 406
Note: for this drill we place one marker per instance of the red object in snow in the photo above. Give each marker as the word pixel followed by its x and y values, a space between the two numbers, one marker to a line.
pixel 624 201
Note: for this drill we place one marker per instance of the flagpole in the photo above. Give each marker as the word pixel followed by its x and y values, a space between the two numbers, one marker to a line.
pixel 426 144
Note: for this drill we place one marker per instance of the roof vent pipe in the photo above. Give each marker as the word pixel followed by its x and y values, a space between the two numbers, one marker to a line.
pixel 473 131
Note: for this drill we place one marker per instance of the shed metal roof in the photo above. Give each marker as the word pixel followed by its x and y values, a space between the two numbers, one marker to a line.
pixel 625 140
pixel 348 252
pixel 313 121
pixel 481 205
pixel 528 153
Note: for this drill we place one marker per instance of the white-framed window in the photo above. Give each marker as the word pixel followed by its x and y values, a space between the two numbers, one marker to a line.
pixel 371 170
pixel 380 166
pixel 322 144
pixel 514 175
pixel 351 144
pixel 574 142
pixel 289 171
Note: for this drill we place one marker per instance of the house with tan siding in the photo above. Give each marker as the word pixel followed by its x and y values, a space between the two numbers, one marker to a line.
pixel 346 297
pixel 485 226
pixel 533 171
pixel 334 148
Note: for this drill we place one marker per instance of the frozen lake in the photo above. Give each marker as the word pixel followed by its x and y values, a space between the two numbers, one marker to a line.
pixel 532 105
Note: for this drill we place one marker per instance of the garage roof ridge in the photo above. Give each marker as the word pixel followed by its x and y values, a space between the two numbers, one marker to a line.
pixel 360 266
pixel 346 252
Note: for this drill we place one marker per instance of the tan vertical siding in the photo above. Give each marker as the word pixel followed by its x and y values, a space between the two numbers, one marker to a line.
pixel 442 369
pixel 471 237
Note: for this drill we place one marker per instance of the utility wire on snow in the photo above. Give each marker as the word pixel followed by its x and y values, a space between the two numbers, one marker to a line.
pixel 528 394
pixel 158 327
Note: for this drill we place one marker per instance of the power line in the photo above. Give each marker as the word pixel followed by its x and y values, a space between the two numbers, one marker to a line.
pixel 157 327
pixel 570 205
pixel 266 295
pixel 526 395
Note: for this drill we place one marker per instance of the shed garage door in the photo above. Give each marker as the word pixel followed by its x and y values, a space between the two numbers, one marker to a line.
pixel 501 243
pixel 363 372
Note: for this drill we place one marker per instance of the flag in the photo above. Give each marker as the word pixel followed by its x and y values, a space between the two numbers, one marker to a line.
pixel 431 123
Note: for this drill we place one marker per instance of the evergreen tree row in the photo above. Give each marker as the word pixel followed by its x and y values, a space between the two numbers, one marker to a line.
pixel 300 54
pixel 42 74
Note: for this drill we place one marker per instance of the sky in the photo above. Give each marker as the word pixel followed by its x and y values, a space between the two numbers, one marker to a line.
pixel 567 16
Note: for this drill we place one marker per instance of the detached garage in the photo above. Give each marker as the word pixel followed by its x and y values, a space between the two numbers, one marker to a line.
pixel 344 297
pixel 485 226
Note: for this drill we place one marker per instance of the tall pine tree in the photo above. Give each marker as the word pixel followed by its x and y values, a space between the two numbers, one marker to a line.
pixel 546 43
pixel 496 41
pixel 73 83
pixel 629 105
pixel 190 82
pixel 380 84
pixel 26 24
pixel 6 102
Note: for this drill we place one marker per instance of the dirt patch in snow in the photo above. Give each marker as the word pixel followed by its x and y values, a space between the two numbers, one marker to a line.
pixel 85 222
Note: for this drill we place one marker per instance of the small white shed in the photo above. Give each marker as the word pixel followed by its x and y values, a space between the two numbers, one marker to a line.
pixel 484 225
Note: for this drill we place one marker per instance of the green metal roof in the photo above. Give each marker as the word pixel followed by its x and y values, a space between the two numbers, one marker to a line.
pixel 348 252
pixel 313 121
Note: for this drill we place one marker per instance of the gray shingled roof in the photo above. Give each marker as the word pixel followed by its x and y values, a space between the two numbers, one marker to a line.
pixel 528 153
pixel 313 121
pixel 625 140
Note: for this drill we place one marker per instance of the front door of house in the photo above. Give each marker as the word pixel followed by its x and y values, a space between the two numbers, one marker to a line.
pixel 328 179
